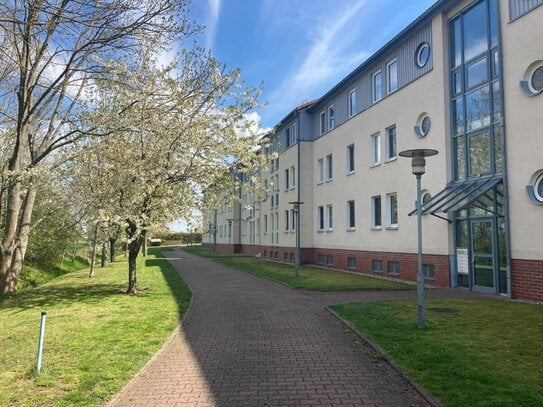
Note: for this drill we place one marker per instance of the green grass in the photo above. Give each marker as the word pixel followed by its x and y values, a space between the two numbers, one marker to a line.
pixel 311 278
pixel 96 337
pixel 33 276
pixel 473 352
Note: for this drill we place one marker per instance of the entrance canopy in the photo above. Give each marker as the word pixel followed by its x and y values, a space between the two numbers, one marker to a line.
pixel 460 195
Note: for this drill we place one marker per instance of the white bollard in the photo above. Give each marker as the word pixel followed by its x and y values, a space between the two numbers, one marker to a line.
pixel 40 341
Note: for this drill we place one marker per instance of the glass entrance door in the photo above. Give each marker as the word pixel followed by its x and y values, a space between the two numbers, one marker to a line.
pixel 483 259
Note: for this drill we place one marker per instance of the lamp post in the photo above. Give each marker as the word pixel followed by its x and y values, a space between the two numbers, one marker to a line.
pixel 229 235
pixel 296 205
pixel 418 163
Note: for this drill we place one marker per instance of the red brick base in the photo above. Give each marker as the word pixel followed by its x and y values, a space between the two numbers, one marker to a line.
pixel 527 279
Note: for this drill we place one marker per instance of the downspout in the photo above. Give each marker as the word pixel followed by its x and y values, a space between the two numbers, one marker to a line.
pixel 299 189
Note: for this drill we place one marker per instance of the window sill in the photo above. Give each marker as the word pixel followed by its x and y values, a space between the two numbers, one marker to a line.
pixel 375 164
pixel 329 230
pixel 391 227
pixel 376 228
pixel 377 271
pixel 320 231
pixel 350 229
pixel 350 173
pixel 391 159
pixel 320 182
pixel 329 180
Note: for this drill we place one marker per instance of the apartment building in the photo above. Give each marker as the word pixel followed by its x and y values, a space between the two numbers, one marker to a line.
pixel 465 78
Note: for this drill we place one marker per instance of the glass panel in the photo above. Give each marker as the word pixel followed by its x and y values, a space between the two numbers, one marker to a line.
pixel 460 158
pixel 495 64
pixel 482 238
pixel 475 35
pixel 458 116
pixel 462 233
pixel 502 258
pixel 498 150
pixel 496 101
pixel 463 280
pixel 483 271
pixel 476 73
pixel 479 154
pixel 457 82
pixel 493 23
pixel 456 38
pixel 478 108
pixel 536 81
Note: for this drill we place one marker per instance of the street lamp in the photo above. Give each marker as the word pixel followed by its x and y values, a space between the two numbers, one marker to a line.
pixel 229 235
pixel 418 163
pixel 296 205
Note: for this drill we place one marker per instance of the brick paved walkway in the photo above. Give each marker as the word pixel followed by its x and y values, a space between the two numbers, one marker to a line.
pixel 247 341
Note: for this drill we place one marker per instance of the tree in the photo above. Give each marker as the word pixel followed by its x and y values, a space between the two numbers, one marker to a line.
pixel 178 138
pixel 51 52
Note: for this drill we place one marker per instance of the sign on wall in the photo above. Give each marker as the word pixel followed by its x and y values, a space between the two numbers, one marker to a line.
pixel 462 261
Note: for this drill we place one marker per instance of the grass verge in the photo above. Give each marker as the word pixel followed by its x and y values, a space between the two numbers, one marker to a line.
pixel 32 276
pixel 473 352
pixel 311 278
pixel 96 337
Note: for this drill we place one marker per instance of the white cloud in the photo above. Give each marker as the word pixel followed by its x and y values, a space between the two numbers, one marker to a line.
pixel 251 125
pixel 327 56
pixel 212 21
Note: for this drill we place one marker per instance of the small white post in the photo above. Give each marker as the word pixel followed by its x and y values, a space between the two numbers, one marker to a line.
pixel 40 341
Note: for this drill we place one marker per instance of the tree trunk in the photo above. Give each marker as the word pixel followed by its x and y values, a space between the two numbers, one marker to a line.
pixel 134 246
pixel 144 247
pixel 93 253
pixel 7 284
pixel 104 255
pixel 112 250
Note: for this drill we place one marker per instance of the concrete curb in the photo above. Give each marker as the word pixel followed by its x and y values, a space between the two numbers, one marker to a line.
pixel 176 332
pixel 425 394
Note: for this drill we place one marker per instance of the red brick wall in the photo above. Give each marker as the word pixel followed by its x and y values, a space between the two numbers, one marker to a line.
pixel 527 279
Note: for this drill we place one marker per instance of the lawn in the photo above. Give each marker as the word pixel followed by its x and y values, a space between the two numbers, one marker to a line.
pixel 311 278
pixel 473 352
pixel 96 337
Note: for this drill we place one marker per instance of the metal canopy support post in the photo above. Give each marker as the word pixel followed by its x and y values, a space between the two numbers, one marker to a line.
pixel 420 274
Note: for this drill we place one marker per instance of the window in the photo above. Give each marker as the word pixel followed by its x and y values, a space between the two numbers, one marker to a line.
pixel 320 170
pixel 376 86
pixel 331 117
pixel 350 215
pixel 393 267
pixel 292 257
pixel 422 126
pixel 422 54
pixel 535 187
pixel 294 133
pixel 392 150
pixel 320 215
pixel 285 256
pixel 392 76
pixel 352 103
pixel 293 219
pixel 329 217
pixel 287 224
pixel 429 271
pixel 265 224
pixel 292 177
pixel 329 260
pixel 287 179
pixel 320 259
pixel 376 212
pixel 287 136
pixel 533 78
pixel 392 206
pixel 322 119
pixel 329 169
pixel 377 266
pixel 351 263
pixel 375 149
pixel 350 159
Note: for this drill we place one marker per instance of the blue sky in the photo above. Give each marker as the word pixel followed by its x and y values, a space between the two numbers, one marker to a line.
pixel 298 49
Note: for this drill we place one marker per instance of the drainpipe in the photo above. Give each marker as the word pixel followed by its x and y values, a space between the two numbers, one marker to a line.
pixel 299 188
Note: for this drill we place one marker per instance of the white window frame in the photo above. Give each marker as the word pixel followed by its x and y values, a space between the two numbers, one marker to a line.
pixel 287 220
pixel 374 225
pixel 287 179
pixel 389 76
pixel 331 117
pixel 390 157
pixel 329 217
pixel 320 218
pixel 293 134
pixel 351 163
pixel 292 177
pixel 375 149
pixel 293 220
pixel 329 167
pixel 351 221
pixel 288 137
pixel 322 122
pixel 265 224
pixel 352 102
pixel 390 224
pixel 320 170
pixel 374 96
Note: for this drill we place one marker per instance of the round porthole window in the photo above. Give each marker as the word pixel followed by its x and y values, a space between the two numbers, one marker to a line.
pixel 422 54
pixel 533 79
pixel 535 187
pixel 422 127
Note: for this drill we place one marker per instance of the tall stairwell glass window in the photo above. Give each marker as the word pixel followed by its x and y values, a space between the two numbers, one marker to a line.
pixel 376 88
pixel 392 76
pixel 352 103
pixel 331 117
pixel 476 110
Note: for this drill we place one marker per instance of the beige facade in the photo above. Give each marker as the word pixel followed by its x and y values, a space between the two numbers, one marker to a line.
pixel 340 225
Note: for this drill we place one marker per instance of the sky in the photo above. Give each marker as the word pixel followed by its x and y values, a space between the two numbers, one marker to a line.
pixel 297 50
